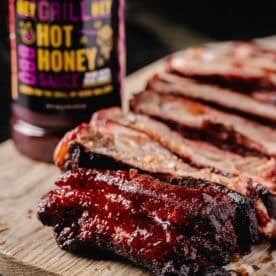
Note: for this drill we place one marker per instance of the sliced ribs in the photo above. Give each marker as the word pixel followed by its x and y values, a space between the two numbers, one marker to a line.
pixel 222 98
pixel 168 229
pixel 182 184
pixel 107 144
pixel 202 122
pixel 197 153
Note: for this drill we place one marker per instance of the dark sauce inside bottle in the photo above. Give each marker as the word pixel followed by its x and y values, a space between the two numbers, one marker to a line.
pixel 67 61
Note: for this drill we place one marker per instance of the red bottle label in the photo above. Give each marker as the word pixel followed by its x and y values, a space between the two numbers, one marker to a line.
pixel 65 54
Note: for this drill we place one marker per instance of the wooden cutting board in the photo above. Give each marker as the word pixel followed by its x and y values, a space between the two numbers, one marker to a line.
pixel 28 248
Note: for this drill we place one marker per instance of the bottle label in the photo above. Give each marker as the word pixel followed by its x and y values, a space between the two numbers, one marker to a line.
pixel 66 54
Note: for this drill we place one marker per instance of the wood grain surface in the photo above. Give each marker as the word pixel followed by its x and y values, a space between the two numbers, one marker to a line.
pixel 28 248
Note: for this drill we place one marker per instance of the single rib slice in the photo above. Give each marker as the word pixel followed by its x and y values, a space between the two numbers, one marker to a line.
pixel 163 227
pixel 207 123
pixel 111 145
pixel 196 153
pixel 126 146
pixel 223 98
pixel 229 67
pixel 253 54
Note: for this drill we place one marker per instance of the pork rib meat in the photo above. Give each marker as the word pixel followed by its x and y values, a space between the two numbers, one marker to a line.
pixel 230 100
pixel 235 66
pixel 221 128
pixel 197 153
pixel 111 145
pixel 167 229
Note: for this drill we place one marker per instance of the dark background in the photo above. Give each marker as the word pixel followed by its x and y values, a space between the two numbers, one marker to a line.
pixel 156 28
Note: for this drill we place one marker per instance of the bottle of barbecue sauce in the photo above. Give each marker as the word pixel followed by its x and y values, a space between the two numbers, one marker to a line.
pixel 67 61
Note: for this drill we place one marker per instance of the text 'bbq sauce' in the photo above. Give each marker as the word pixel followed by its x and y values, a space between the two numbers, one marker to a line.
pixel 67 61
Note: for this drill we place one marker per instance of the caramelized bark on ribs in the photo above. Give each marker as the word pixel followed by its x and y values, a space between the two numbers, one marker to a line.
pixel 196 153
pixel 129 148
pixel 168 229
pixel 202 122
pixel 231 67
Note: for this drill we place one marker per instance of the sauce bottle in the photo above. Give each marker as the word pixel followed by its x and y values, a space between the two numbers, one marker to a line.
pixel 67 61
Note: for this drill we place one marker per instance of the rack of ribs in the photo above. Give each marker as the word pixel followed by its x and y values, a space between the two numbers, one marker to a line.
pixel 184 181
pixel 107 144
pixel 168 229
